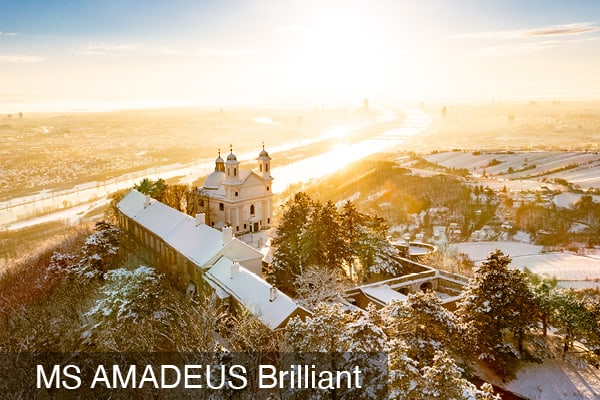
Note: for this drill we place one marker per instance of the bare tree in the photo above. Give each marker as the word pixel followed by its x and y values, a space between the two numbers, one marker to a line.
pixel 319 285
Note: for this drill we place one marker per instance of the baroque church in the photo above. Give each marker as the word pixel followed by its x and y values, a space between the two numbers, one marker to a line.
pixel 239 198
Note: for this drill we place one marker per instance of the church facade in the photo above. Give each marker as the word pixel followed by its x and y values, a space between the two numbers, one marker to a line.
pixel 239 198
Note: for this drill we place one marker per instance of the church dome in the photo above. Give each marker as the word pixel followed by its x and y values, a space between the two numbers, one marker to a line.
pixel 264 154
pixel 214 180
pixel 219 163
pixel 231 157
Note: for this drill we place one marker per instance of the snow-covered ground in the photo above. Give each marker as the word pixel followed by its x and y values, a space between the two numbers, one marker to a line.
pixel 570 270
pixel 70 216
pixel 568 199
pixel 478 251
pixel 580 168
pixel 554 379
pixel 567 268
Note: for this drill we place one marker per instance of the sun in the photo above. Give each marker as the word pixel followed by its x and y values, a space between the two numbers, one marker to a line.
pixel 340 54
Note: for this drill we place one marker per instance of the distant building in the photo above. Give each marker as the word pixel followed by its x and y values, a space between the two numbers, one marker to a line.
pixel 240 198
pixel 204 261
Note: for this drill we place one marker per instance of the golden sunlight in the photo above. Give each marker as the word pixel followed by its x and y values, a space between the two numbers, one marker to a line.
pixel 342 55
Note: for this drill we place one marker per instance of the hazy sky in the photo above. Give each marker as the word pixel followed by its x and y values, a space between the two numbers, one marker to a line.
pixel 86 54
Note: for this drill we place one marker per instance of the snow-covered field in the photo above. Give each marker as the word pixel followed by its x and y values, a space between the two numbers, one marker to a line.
pixel 568 199
pixel 570 270
pixel 580 168
pixel 554 379
pixel 478 251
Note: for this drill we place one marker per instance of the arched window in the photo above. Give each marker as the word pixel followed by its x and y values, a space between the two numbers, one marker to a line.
pixel 235 172
pixel 267 167
pixel 252 209
pixel 260 167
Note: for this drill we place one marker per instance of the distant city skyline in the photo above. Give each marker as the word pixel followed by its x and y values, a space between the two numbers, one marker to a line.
pixel 96 55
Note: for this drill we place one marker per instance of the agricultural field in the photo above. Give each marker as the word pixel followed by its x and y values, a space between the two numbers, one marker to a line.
pixel 569 269
pixel 580 169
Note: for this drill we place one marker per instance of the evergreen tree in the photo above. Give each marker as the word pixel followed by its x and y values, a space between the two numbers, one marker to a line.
pixel 443 380
pixel 424 325
pixel 367 241
pixel 575 321
pixel 311 234
pixel 288 256
pixel 497 299
pixel 352 222
pixel 343 340
pixel 323 240
pixel 380 254
pixel 154 189
pixel 543 294
pixel 100 250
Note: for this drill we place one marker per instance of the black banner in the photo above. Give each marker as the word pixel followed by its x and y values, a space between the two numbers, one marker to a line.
pixel 193 375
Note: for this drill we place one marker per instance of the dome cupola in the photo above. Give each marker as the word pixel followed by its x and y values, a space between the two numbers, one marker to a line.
pixel 264 163
pixel 232 166
pixel 231 156
pixel 219 163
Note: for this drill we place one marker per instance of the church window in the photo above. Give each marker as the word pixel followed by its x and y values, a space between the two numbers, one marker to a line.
pixel 267 188
pixel 260 167
pixel 268 220
pixel 201 202
pixel 221 206
pixel 236 194
pixel 235 172
pixel 237 228
pixel 244 226
pixel 252 209
pixel 267 167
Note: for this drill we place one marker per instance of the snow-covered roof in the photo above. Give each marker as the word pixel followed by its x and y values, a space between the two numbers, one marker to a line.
pixel 252 292
pixel 214 180
pixel 132 203
pixel 198 243
pixel 238 250
pixel 382 293
pixel 220 293
pixel 159 218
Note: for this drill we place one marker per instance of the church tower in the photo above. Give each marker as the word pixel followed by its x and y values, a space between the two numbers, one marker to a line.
pixel 232 167
pixel 264 164
pixel 240 199
pixel 219 163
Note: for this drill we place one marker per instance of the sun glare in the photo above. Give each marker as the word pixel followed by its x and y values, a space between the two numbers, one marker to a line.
pixel 342 55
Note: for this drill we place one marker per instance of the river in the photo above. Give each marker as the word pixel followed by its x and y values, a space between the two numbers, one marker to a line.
pixel 70 204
